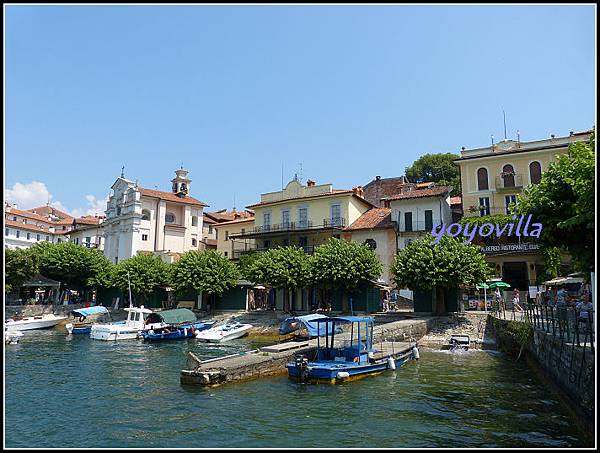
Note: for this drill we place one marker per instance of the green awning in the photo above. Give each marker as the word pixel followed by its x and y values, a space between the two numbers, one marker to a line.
pixel 177 316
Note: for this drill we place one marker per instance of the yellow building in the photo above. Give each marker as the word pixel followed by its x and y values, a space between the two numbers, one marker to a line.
pixel 491 179
pixel 305 216
pixel 230 247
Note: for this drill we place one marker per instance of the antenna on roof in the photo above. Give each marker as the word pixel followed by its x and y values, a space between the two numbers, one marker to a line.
pixel 123 171
pixel 300 178
pixel 492 140
pixel 504 114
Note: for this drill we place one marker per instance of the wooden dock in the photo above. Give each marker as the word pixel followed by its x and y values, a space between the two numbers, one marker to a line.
pixel 389 339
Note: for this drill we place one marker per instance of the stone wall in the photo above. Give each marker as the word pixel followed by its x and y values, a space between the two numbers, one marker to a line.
pixel 37 310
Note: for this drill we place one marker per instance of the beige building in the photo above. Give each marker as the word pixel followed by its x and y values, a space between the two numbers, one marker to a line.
pixel 491 179
pixel 230 247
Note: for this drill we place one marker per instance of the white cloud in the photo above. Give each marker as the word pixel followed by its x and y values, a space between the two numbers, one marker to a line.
pixel 35 194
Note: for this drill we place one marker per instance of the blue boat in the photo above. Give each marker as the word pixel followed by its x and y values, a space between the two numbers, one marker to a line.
pixel 83 325
pixel 303 326
pixel 349 359
pixel 174 325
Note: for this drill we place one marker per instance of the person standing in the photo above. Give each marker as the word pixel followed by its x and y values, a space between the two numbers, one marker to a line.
pixel 516 301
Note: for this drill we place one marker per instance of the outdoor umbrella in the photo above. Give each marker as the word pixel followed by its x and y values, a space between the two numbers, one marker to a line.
pixel 485 286
pixel 499 285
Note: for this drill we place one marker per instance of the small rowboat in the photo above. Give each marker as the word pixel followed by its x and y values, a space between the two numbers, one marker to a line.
pixel 176 333
pixel 83 325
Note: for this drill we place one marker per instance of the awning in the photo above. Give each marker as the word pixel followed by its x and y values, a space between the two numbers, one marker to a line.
pixel 87 311
pixel 176 316
pixel 307 322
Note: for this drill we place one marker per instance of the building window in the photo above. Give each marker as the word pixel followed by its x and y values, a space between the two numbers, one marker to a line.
pixel 37 238
pixel 285 218
pixel 225 253
pixel 509 199
pixel 6 232
pixel 210 229
pixel 64 227
pixel 88 239
pixel 336 216
pixel 371 243
pixel 408 225
pixel 194 243
pixel 48 238
pixel 59 240
pixel 303 217
pixel 14 219
pixel 18 233
pixel 535 172
pixel 243 230
pixel 194 220
pixel 77 241
pixel 484 206
pixel 428 220
pixel 144 237
pixel 169 217
pixel 118 210
pixel 145 214
pixel 226 235
pixel 508 175
pixel 267 244
pixel 267 220
pixel 482 179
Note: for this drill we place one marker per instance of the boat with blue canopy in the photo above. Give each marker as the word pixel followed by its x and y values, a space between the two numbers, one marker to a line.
pixel 83 325
pixel 174 324
pixel 351 355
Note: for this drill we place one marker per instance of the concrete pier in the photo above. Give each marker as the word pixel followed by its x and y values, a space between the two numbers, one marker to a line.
pixel 271 360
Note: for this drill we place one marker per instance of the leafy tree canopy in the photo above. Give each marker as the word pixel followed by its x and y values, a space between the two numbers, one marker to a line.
pixel 345 265
pixel 207 271
pixel 281 267
pixel 438 168
pixel 20 266
pixel 563 202
pixel 146 273
pixel 74 265
pixel 449 263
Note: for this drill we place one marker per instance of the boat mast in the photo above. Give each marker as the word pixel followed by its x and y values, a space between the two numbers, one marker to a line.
pixel 129 286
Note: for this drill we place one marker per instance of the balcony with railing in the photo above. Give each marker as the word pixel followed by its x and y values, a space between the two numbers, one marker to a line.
pixel 336 223
pixel 415 227
pixel 308 249
pixel 509 181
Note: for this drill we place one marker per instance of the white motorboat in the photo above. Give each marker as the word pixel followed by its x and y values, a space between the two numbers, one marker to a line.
pixel 33 322
pixel 125 330
pixel 226 332
pixel 12 337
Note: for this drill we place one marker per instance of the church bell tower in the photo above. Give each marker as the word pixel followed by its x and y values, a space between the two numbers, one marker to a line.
pixel 181 183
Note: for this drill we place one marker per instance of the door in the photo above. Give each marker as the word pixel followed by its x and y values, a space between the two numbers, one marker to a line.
pixel 515 274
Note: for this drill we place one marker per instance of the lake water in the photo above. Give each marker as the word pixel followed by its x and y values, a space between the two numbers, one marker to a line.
pixel 63 391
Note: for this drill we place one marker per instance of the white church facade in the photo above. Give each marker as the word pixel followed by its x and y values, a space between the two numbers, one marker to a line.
pixel 152 221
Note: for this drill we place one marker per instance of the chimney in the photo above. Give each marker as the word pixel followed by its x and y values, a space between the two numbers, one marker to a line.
pixel 310 183
pixel 377 178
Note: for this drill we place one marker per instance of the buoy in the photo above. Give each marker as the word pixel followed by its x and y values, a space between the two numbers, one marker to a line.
pixel 69 328
pixel 416 353
pixel 391 363
pixel 342 374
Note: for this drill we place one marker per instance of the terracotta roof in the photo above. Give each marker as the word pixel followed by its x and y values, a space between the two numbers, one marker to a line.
pixel 456 200
pixel 47 210
pixel 380 188
pixel 27 226
pixel 225 216
pixel 169 196
pixel 251 219
pixel 88 220
pixel 333 192
pixel 422 193
pixel 373 218
pixel 207 219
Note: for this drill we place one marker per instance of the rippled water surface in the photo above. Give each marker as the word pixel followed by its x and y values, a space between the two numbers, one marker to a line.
pixel 75 392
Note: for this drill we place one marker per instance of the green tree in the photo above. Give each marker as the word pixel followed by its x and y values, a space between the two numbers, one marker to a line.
pixel 563 202
pixel 146 273
pixel 73 265
pixel 423 265
pixel 20 266
pixel 207 271
pixel 438 168
pixel 345 265
pixel 288 268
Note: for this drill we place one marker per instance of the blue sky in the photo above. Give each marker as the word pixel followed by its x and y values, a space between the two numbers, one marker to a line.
pixel 235 92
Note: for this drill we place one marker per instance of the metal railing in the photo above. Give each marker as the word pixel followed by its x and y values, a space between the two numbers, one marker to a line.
pixel 509 182
pixel 336 222
pixel 416 227
pixel 567 323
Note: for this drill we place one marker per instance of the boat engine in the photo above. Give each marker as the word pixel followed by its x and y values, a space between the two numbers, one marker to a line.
pixel 302 367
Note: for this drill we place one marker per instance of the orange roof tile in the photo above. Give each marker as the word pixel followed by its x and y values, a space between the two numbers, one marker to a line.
pixel 225 216
pixel 27 226
pixel 422 193
pixel 169 196
pixel 333 192
pixel 373 218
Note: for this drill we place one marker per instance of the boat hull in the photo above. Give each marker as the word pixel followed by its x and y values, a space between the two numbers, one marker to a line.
pixel 125 333
pixel 333 373
pixel 180 334
pixel 32 323
pixel 216 337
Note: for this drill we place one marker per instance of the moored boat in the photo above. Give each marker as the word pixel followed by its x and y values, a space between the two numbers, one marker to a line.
pixel 128 330
pixel 350 359
pixel 83 325
pixel 33 322
pixel 174 324
pixel 227 332
pixel 12 336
